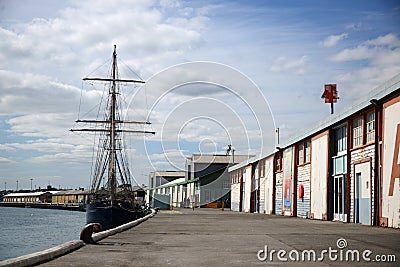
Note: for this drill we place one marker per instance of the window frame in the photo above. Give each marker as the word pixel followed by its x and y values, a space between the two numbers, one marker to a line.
pixel 307 151
pixel 300 154
pixel 278 161
pixel 370 124
pixel 340 143
pixel 226 184
pixel 358 131
pixel 261 168
pixel 304 152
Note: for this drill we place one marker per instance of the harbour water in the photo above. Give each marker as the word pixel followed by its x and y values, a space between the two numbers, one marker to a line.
pixel 27 230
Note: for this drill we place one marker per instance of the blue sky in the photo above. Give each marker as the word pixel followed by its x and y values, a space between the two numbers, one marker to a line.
pixel 289 49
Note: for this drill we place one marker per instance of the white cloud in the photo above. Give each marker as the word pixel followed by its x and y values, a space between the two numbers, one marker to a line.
pixel 371 49
pixel 60 158
pixel 354 26
pixel 382 62
pixel 27 93
pixel 5 160
pixel 389 40
pixel 290 66
pixel 332 40
pixel 88 29
pixel 359 53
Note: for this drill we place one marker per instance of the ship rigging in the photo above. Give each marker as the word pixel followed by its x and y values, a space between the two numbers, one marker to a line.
pixel 110 166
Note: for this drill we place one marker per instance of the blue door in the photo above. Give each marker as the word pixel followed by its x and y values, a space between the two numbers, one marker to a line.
pixel 362 201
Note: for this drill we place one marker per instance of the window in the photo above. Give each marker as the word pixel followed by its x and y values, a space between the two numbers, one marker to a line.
pixel 358 132
pixel 304 153
pixel 340 139
pixel 301 153
pixel 278 161
pixel 234 176
pixel 307 151
pixel 339 165
pixel 370 127
pixel 207 195
pixel 261 168
pixel 227 184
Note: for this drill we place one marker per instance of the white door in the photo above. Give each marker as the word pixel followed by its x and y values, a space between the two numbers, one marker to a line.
pixel 362 194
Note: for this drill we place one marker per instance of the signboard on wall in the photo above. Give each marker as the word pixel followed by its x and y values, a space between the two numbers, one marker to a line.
pixel 287 178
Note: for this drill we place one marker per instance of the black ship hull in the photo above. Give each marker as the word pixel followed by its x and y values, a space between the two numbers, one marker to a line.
pixel 110 216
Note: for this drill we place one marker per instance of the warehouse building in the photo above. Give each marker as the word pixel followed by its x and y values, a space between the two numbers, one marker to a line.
pixel 157 180
pixel 30 197
pixel 344 168
pixel 70 197
pixel 205 183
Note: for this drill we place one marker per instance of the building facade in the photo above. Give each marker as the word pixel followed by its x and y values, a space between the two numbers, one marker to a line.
pixel 31 197
pixel 345 168
pixel 70 197
pixel 158 179
pixel 205 183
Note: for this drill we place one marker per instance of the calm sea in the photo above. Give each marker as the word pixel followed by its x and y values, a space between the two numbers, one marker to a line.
pixel 26 230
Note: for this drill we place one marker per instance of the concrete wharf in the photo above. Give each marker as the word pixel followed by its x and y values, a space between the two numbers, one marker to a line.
pixel 207 237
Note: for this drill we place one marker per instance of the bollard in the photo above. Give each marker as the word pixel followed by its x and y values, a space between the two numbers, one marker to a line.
pixel 87 231
pixel 223 205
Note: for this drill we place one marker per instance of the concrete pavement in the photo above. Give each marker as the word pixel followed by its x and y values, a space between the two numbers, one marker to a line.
pixel 206 237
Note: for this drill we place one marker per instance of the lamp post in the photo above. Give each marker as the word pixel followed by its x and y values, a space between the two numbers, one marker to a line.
pixel 230 149
pixel 31 183
pixel 17 185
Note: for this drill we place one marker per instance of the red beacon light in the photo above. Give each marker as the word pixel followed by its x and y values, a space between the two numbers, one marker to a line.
pixel 330 94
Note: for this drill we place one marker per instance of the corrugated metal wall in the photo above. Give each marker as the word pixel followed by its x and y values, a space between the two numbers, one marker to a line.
pixel 278 193
pixel 235 196
pixel 262 194
pixel 303 178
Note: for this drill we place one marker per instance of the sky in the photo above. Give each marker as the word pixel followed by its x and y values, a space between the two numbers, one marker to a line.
pixel 216 72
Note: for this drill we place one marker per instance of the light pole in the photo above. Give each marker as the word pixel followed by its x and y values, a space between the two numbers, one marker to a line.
pixel 5 187
pixel 17 185
pixel 230 149
pixel 31 183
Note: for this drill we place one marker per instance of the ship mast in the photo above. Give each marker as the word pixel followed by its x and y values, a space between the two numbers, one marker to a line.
pixel 111 170
pixel 112 130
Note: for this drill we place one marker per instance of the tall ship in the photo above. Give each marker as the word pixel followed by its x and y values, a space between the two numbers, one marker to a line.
pixel 112 199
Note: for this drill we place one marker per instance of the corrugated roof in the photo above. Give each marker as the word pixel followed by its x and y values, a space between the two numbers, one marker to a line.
pixel 168 173
pixel 209 158
pixel 30 194
pixel 71 192
pixel 176 181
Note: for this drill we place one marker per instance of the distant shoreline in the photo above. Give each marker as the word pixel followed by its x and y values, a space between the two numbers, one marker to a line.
pixel 44 206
